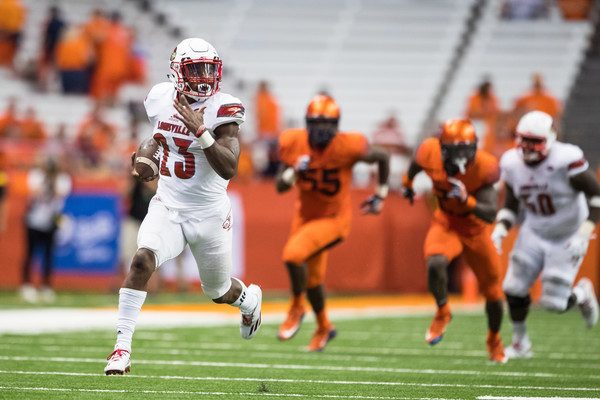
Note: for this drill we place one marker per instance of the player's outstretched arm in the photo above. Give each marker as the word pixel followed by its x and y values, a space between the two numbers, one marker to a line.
pixel 507 215
pixel 587 183
pixel 407 181
pixel 374 204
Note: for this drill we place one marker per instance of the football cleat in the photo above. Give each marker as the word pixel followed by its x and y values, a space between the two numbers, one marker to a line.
pixel 436 330
pixel 589 304
pixel 519 349
pixel 119 362
pixel 321 337
pixel 292 324
pixel 495 348
pixel 251 322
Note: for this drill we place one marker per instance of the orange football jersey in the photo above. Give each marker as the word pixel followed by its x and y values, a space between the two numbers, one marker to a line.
pixel 324 187
pixel 482 171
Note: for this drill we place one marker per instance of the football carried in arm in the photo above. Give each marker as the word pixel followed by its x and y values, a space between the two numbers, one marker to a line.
pixel 146 159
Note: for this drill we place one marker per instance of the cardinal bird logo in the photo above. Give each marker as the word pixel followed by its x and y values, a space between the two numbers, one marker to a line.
pixel 231 110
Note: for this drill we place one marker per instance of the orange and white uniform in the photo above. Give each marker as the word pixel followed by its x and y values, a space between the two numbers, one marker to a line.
pixel 454 229
pixel 323 208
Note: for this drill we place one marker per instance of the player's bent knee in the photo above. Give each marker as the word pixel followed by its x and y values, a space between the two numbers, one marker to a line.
pixel 293 256
pixel 493 292
pixel 437 264
pixel 144 262
pixel 555 294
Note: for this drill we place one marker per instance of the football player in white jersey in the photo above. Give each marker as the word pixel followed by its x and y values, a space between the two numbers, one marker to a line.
pixel 559 197
pixel 196 127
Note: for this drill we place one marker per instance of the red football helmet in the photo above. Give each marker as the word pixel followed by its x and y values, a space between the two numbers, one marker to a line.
pixel 535 136
pixel 459 145
pixel 196 68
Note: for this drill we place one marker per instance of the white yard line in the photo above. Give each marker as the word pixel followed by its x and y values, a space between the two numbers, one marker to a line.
pixel 309 381
pixel 314 367
pixel 169 340
pixel 210 349
pixel 204 393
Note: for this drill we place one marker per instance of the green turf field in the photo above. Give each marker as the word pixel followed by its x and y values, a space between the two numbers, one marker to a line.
pixel 382 358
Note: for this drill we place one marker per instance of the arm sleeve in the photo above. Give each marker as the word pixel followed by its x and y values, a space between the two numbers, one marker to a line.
pixel 423 152
pixel 358 146
pixel 490 170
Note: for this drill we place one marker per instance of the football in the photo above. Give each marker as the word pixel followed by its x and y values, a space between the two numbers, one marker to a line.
pixel 147 158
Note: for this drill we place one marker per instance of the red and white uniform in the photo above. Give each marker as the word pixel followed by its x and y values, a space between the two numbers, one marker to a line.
pixel 552 211
pixel 191 206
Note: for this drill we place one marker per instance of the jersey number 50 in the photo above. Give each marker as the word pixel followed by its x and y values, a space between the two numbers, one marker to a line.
pixel 183 170
pixel 541 204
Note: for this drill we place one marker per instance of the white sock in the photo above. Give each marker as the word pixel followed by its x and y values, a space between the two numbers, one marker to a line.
pixel 579 294
pixel 130 305
pixel 245 302
pixel 519 331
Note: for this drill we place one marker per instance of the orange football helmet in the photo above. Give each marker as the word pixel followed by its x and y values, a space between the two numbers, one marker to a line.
pixel 459 145
pixel 323 107
pixel 322 117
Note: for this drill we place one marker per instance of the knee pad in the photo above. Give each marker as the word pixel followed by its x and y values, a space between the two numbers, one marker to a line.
pixel 555 294
pixel 518 302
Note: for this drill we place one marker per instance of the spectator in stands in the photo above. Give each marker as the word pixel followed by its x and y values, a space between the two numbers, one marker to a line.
pixel 31 127
pixel 390 136
pixel 574 10
pixel 525 9
pixel 137 201
pixel 113 61
pixel 53 29
pixel 3 195
pixel 96 28
pixel 537 99
pixel 268 126
pixel 483 110
pixel 12 21
pixel 48 188
pixel 138 58
pixel 52 33
pixel 9 123
pixel 74 57
pixel 94 137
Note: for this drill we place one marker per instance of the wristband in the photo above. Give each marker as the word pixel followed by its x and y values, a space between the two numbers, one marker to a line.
pixel 204 138
pixel 382 190
pixel 471 203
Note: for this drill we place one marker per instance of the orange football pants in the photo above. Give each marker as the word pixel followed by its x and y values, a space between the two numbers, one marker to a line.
pixel 479 253
pixel 309 241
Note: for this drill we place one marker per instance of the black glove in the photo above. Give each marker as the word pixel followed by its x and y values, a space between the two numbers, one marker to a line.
pixel 409 194
pixel 372 205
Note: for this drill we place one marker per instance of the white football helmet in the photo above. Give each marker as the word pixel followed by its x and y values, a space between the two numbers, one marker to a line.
pixel 196 68
pixel 535 136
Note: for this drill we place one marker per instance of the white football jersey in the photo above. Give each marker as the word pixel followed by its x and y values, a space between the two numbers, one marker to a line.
pixel 187 182
pixel 551 207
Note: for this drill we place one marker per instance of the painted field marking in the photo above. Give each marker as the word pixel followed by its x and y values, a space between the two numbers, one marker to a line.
pixel 309 381
pixel 312 367
pixel 365 351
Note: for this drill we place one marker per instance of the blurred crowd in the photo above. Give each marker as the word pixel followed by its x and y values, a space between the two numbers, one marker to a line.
pixel 96 57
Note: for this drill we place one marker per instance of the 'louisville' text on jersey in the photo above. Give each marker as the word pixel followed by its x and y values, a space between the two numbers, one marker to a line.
pixel 169 127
